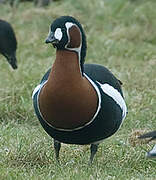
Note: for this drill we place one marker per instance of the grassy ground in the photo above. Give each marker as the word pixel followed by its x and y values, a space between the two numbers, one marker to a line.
pixel 121 35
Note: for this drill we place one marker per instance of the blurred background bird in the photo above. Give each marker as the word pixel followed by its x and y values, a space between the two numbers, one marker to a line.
pixel 8 43
pixel 152 136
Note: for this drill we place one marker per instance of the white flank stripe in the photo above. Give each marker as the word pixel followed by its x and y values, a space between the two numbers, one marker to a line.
pixel 113 93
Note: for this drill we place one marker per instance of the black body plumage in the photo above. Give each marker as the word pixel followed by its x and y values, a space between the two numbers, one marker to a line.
pixel 8 43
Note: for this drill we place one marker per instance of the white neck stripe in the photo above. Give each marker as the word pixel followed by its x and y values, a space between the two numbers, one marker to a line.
pixel 78 49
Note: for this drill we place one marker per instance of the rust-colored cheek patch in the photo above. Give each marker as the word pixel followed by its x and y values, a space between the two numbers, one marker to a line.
pixel 75 38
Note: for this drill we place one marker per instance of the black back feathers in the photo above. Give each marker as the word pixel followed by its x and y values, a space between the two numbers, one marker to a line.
pixel 8 43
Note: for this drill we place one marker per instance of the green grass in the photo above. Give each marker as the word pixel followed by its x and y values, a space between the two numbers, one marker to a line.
pixel 121 35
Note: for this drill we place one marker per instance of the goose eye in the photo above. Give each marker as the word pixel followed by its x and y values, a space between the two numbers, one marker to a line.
pixel 63 30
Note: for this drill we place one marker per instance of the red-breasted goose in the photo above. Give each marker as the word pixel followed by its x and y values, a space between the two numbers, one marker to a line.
pixel 77 103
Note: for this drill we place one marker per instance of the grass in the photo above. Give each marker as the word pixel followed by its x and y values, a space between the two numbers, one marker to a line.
pixel 121 35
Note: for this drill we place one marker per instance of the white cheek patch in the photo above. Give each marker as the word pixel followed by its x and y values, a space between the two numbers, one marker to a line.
pixel 58 34
pixel 78 49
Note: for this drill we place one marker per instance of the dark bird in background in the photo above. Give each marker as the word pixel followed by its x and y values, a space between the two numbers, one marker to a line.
pixel 41 3
pixel 8 43
pixel 152 136
pixel 77 103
